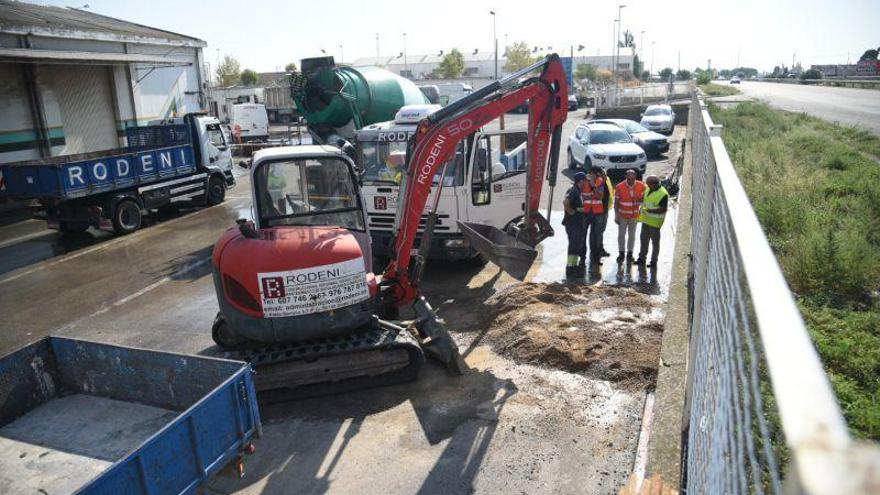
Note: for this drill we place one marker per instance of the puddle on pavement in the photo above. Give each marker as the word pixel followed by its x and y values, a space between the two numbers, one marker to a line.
pixel 654 281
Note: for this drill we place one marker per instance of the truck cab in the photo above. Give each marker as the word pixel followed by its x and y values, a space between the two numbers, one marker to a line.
pixel 485 182
pixel 211 143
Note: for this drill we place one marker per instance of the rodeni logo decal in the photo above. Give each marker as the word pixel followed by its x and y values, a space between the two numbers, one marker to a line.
pixel 386 137
pixel 426 168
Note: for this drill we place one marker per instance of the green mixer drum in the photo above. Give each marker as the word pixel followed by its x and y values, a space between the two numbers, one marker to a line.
pixel 377 94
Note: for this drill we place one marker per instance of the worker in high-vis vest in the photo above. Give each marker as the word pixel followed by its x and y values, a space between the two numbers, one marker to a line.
pixel 573 221
pixel 608 204
pixel 651 216
pixel 393 170
pixel 627 203
pixel 593 194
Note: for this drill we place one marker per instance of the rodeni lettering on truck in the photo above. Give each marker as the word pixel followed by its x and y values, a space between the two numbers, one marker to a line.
pixel 100 170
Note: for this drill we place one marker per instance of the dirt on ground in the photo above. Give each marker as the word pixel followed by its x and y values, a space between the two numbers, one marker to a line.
pixel 601 332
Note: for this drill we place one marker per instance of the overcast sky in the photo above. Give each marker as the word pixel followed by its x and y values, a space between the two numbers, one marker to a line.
pixel 264 35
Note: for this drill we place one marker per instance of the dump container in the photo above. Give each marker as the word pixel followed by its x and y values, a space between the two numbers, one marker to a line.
pixel 91 418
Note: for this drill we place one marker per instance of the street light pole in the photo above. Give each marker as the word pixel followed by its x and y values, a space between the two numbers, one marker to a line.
pixel 652 57
pixel 641 53
pixel 377 46
pixel 495 39
pixel 405 64
pixel 617 40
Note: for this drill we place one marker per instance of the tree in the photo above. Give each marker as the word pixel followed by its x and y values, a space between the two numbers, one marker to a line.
pixel 291 67
pixel 603 76
pixel 637 65
pixel 645 75
pixel 228 71
pixel 683 75
pixel 811 74
pixel 870 54
pixel 452 64
pixel 704 77
pixel 248 77
pixel 585 71
pixel 666 73
pixel 518 57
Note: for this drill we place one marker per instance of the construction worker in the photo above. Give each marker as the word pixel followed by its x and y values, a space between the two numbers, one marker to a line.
pixel 651 216
pixel 393 170
pixel 627 203
pixel 607 203
pixel 573 221
pixel 592 195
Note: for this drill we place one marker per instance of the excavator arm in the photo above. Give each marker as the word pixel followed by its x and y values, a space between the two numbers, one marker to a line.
pixel 434 143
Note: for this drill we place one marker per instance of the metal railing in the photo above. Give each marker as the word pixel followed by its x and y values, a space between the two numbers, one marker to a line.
pixel 640 95
pixel 760 413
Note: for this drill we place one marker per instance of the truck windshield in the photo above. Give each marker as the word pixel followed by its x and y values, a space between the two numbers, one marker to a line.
pixel 312 191
pixel 215 134
pixel 383 164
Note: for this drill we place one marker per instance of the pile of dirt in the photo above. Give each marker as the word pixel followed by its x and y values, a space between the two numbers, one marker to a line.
pixel 602 332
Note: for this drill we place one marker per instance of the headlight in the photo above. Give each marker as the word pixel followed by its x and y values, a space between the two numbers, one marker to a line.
pixel 599 157
pixel 641 155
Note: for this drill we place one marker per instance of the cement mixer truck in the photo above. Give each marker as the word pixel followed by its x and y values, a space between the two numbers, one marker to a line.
pixel 372 113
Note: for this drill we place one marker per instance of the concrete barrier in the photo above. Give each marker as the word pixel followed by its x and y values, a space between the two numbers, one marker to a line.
pixel 634 112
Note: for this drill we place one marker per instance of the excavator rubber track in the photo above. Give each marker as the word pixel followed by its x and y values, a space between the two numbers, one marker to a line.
pixel 376 356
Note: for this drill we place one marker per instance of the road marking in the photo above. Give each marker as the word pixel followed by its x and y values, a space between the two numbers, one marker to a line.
pixel 155 285
pixel 104 245
pixel 25 237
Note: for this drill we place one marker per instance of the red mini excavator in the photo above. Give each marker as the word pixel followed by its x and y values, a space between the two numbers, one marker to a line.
pixel 296 293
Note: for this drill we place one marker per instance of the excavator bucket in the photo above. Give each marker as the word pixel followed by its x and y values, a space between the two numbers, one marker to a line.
pixel 507 251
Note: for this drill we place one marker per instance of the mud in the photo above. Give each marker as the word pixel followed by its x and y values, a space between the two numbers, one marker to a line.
pixel 599 332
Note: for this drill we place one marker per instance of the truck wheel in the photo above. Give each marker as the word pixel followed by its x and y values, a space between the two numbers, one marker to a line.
pixel 223 337
pixel 127 218
pixel 216 192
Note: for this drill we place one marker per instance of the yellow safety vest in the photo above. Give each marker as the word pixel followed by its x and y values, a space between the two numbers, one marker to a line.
pixel 652 201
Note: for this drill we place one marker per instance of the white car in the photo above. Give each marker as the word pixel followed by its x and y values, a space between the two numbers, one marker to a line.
pixel 607 146
pixel 659 118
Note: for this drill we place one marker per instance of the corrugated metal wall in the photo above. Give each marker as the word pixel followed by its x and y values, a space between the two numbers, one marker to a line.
pixel 85 101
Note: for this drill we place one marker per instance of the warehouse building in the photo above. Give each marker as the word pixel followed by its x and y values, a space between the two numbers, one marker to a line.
pixel 71 80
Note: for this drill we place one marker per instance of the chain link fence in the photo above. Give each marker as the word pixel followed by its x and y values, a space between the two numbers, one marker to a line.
pixel 760 414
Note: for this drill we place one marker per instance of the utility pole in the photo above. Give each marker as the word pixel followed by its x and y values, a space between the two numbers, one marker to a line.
pixel 405 64
pixel 617 44
pixel 641 54
pixel 652 57
pixel 377 46
pixel 495 39
pixel 679 61
pixel 738 48
pixel 341 54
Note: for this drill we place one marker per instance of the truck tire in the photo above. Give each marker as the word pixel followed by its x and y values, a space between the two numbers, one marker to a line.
pixel 216 192
pixel 127 217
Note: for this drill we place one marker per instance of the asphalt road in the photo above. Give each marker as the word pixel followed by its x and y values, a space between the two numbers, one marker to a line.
pixel 846 106
pixel 502 428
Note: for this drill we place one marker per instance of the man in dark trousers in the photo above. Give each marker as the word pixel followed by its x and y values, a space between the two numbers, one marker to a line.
pixel 651 216
pixel 574 227
pixel 594 197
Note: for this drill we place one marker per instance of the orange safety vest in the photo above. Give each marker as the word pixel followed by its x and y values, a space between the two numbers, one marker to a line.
pixel 630 199
pixel 592 197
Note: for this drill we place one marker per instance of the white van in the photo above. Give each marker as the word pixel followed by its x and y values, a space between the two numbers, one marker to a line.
pixel 250 122
pixel 451 92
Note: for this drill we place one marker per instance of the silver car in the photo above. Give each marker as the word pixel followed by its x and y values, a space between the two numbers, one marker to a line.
pixel 659 118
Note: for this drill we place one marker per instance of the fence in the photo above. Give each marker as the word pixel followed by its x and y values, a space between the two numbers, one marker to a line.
pixel 760 415
pixel 646 93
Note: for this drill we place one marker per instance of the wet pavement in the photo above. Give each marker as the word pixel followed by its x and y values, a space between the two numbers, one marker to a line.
pixel 501 428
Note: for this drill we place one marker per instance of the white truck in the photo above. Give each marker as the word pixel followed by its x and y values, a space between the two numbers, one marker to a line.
pixel 451 92
pixel 250 122
pixel 485 183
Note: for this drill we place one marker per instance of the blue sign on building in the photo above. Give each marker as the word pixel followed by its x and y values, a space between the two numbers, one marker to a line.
pixel 569 74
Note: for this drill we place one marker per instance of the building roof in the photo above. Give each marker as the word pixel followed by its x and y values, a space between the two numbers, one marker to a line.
pixel 58 22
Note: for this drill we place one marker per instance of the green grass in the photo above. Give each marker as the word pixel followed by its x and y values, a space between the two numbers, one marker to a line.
pixel 712 89
pixel 816 189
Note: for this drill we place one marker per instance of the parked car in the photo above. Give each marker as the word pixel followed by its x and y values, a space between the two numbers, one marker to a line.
pixel 734 80
pixel 572 102
pixel 607 146
pixel 652 142
pixel 659 118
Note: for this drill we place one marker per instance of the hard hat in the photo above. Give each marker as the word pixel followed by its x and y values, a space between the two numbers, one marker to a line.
pixel 579 176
